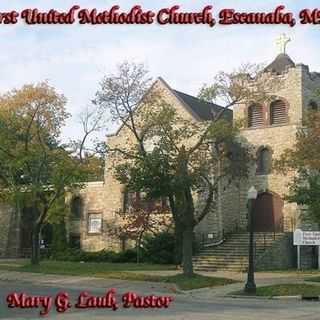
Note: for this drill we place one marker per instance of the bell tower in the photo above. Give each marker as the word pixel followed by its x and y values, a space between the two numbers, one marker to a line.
pixel 270 128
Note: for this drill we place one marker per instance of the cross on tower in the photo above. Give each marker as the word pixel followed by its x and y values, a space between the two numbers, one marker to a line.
pixel 282 42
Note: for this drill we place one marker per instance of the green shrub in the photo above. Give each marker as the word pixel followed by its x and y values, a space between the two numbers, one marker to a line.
pixel 59 238
pixel 100 256
pixel 159 249
pixel 127 256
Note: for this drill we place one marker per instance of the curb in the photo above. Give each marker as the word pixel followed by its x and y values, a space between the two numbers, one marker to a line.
pixel 287 298
pixel 246 297
pixel 299 297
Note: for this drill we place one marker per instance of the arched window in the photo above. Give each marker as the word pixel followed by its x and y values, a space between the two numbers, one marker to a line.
pixel 125 199
pixel 278 112
pixel 264 161
pixel 255 116
pixel 76 208
pixel 138 200
pixel 130 200
pixel 313 106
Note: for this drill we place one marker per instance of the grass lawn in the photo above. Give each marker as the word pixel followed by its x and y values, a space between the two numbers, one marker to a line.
pixel 196 282
pixel 286 290
pixel 124 271
pixel 313 279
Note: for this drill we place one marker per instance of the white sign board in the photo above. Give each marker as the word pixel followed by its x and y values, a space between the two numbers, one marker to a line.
pixel 95 223
pixel 306 238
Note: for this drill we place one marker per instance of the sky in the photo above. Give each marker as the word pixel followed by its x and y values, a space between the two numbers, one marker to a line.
pixel 74 58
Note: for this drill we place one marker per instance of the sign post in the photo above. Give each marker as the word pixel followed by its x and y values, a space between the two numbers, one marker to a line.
pixel 298 258
pixel 319 257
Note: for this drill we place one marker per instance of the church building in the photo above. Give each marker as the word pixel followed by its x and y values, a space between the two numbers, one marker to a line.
pixel 222 236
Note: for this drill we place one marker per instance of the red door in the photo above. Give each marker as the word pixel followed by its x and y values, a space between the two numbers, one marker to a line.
pixel 268 213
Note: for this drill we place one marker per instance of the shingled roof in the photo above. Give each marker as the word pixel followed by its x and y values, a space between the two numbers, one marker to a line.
pixel 204 110
pixel 280 64
pixel 200 109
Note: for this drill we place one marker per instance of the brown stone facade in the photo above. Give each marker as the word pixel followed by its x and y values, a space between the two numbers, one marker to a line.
pixel 107 197
pixel 230 215
pixel 298 90
pixel 10 231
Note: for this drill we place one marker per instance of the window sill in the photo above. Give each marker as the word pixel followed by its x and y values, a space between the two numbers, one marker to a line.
pixel 268 127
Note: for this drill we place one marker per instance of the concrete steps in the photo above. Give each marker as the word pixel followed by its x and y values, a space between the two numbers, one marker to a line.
pixel 232 255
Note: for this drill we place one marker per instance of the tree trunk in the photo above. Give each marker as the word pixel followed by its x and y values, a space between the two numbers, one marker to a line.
pixel 187 251
pixel 177 233
pixel 178 243
pixel 35 249
pixel 138 253
pixel 138 248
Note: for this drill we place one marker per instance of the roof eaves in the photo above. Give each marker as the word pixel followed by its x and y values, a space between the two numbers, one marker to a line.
pixel 186 106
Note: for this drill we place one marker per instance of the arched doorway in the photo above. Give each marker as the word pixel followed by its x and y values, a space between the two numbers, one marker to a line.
pixel 76 208
pixel 268 213
pixel 76 215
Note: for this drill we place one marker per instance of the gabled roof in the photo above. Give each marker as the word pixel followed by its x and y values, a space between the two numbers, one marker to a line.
pixel 199 109
pixel 280 64
pixel 204 110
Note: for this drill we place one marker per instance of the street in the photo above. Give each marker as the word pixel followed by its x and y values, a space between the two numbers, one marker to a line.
pixel 184 306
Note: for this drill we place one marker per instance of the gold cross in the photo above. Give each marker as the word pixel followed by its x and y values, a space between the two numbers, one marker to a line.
pixel 282 42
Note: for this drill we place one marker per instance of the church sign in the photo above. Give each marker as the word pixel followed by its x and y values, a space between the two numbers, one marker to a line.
pixel 306 238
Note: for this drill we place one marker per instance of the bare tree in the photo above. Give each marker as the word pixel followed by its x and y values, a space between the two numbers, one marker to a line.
pixel 187 157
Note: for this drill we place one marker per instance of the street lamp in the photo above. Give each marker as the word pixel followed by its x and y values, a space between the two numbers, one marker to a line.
pixel 250 285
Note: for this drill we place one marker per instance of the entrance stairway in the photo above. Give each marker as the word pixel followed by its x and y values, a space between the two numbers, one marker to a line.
pixel 232 254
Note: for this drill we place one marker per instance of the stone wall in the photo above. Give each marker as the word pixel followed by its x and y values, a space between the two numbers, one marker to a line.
pixel 308 257
pixel 310 86
pixel 10 231
pixel 281 256
pixel 298 87
pixel 95 201
pixel 277 138
pixel 210 228
pixel 230 204
pixel 275 182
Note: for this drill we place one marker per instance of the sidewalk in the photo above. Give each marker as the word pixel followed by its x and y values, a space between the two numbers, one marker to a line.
pixel 238 276
pixel 209 293
pixel 143 287
pixel 261 279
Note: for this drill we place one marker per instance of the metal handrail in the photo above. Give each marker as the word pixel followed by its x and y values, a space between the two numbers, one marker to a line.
pixel 216 241
pixel 215 244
